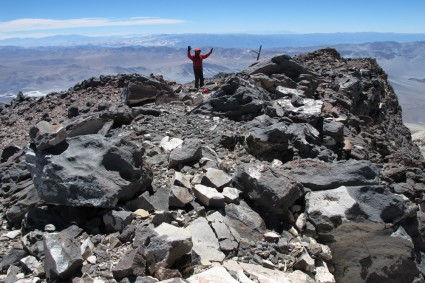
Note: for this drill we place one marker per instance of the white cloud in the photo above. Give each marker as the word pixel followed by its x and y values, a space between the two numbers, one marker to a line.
pixel 21 25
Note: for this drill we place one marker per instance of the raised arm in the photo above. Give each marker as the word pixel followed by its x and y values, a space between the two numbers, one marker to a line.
pixel 188 53
pixel 208 54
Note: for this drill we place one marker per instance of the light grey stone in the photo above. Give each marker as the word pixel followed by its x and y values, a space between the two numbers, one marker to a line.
pixel 208 196
pixel 32 265
pixel 180 196
pixel 62 256
pixel 205 243
pixel 268 275
pixel 45 135
pixel 168 144
pixel 245 221
pixel 86 248
pixel 216 178
pixel 181 179
pixel 231 195
pixel 288 92
pixel 216 274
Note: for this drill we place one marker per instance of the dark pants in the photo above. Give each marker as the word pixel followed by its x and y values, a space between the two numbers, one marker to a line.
pixel 199 77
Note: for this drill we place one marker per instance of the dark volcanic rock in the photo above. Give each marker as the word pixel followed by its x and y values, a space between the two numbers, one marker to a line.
pixel 9 151
pixel 190 151
pixel 236 99
pixel 282 64
pixel 92 171
pixel 268 188
pixel 317 175
pixel 12 257
pixel 245 221
pixel 269 139
pixel 166 249
pixel 132 264
pixel 144 89
pixel 354 220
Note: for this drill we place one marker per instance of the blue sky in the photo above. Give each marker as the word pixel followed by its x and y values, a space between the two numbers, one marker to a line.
pixel 39 18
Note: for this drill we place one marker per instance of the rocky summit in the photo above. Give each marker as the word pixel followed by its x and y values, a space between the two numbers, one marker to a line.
pixel 298 169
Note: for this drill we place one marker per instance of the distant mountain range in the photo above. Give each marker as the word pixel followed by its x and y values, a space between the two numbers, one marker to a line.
pixel 217 40
pixel 69 60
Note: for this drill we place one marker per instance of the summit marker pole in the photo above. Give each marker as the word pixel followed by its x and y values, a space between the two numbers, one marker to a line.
pixel 257 52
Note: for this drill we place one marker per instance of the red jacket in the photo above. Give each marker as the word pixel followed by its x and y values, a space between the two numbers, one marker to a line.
pixel 197 58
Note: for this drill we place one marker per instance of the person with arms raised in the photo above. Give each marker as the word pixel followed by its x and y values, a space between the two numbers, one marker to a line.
pixel 197 65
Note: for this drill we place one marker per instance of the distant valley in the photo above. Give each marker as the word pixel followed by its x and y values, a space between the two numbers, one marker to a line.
pixel 40 70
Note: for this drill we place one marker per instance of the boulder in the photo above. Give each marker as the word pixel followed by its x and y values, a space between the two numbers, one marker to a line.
pixel 119 117
pixel 216 178
pixel 33 243
pixel 168 144
pixel 190 151
pixel 45 135
pixel 88 125
pixel 304 262
pixel 354 222
pixel 318 175
pixel 245 221
pixel 169 246
pixel 334 130
pixel 231 195
pixel 205 242
pixel 237 99
pixel 281 64
pixel 160 199
pixel 143 90
pixel 268 188
pixel 351 86
pixel 86 248
pixel 180 196
pixel 90 171
pixel 13 256
pixel 27 198
pixel 73 111
pixel 116 221
pixel 31 265
pixel 132 263
pixel 141 202
pixel 9 151
pixel 307 111
pixel 227 240
pixel 269 139
pixel 323 275
pixel 182 180
pixel 208 196
pixel 62 256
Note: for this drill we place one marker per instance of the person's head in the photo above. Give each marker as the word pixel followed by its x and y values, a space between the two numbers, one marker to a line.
pixel 197 51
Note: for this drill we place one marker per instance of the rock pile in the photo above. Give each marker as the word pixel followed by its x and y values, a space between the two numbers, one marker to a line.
pixel 295 170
